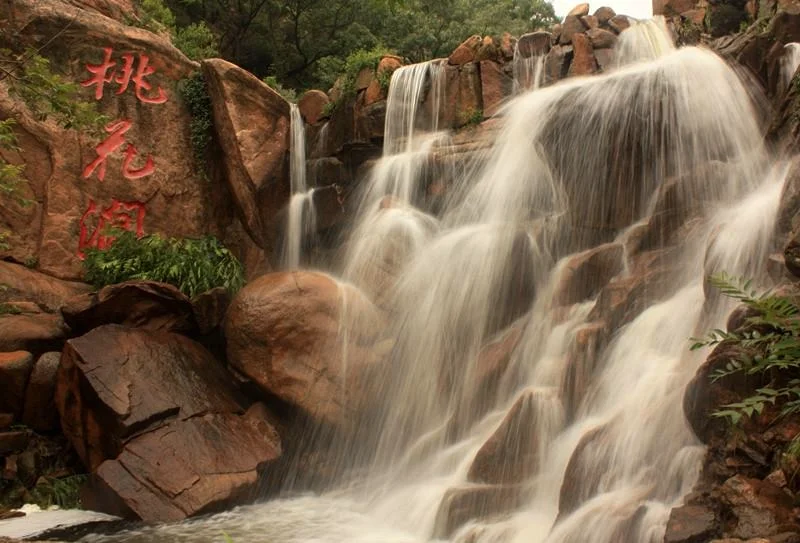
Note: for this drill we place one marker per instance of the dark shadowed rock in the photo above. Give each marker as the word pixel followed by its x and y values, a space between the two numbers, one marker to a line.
pixel 137 304
pixel 15 369
pixel 535 44
pixel 585 274
pixel 759 508
pixel 690 524
pixel 40 411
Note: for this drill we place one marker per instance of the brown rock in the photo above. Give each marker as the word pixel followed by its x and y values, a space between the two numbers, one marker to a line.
pixel 581 480
pixel 6 420
pixel 209 309
pixel 462 92
pixel 602 39
pixel 119 10
pixel 618 23
pixel 605 58
pixel 582 363
pixel 759 508
pixel 535 44
pixel 11 442
pixel 312 105
pixel 15 369
pixel 461 505
pixel 580 10
pixel 556 65
pixel 37 332
pixel 138 304
pixel 364 78
pixel 22 283
pixel 71 205
pixel 690 523
pixel 185 468
pixel 572 25
pixel 583 62
pixel 282 332
pixel 673 7
pixel 604 14
pixel 465 52
pixel 507 45
pixel 115 382
pixel 496 87
pixel 590 21
pixel 512 454
pixel 252 125
pixel 40 411
pixel 586 273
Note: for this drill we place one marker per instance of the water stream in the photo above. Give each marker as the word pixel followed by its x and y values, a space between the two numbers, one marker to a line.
pixel 301 213
pixel 578 164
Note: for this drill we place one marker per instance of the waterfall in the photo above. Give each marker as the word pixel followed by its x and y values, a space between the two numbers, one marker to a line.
pixel 301 214
pixel 671 183
pixel 528 71
pixel 790 62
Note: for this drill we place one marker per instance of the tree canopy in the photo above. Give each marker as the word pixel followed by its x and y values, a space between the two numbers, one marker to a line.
pixel 304 43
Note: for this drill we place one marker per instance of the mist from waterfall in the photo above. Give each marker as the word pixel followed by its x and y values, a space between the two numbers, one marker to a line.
pixel 589 163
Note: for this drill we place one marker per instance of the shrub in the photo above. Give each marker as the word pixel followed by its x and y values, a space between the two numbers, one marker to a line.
pixel 290 95
pixel 774 335
pixel 197 41
pixel 194 93
pixel 156 17
pixel 63 492
pixel 192 265
pixel 471 117
pixel 353 65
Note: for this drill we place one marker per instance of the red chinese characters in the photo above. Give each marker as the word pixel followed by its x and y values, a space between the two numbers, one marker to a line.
pixel 98 226
pixel 111 144
pixel 106 72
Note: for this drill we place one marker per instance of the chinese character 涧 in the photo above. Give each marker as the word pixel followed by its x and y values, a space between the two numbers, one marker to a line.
pixel 111 144
pixel 97 226
pixel 103 74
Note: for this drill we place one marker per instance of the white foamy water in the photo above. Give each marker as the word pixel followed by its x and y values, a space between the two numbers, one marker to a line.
pixel 301 214
pixel 580 163
pixel 790 62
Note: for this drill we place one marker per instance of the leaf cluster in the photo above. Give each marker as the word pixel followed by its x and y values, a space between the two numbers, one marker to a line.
pixel 194 93
pixel 290 95
pixel 192 265
pixel 63 492
pixel 770 346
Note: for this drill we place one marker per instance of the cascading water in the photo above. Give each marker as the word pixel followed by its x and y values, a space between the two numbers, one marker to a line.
pixel 528 71
pixel 790 62
pixel 301 214
pixel 608 159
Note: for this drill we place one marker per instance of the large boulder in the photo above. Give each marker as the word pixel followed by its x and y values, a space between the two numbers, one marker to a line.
pixel 462 505
pixel 15 370
pixel 253 127
pixel 308 340
pixel 21 283
pixel 136 174
pixel 160 424
pixel 40 411
pixel 32 331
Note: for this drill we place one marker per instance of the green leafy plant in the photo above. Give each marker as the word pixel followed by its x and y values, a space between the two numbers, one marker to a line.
pixel 471 117
pixel 290 95
pixel 192 265
pixel 770 347
pixel 63 492
pixel 194 93
pixel 197 41
pixel 156 17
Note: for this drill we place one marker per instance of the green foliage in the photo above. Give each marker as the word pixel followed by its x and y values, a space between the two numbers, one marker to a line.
pixel 197 41
pixel 472 117
pixel 194 93
pixel 63 492
pixel 156 17
pixel 10 174
pixel 290 95
pixel 773 335
pixel 688 32
pixel 192 265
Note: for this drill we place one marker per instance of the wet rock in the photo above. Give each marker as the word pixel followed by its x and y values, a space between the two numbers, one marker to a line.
pixel 461 505
pixel 601 39
pixel 619 23
pixel 282 332
pixel 691 524
pixel 312 105
pixel 556 64
pixel 582 362
pixel 116 382
pixel 185 468
pixel 511 455
pixel 463 99
pixel 583 62
pixel 15 370
pixel 138 304
pixel 581 481
pixel 585 274
pixel 40 411
pixel 759 508
pixel 49 293
pixel 496 87
pixel 572 25
pixel 535 44
pixel 605 58
pixel 465 52
pixel 604 14
pixel 252 124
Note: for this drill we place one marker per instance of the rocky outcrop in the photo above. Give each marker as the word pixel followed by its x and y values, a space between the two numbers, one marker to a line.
pixel 286 332
pixel 252 124
pixel 160 424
